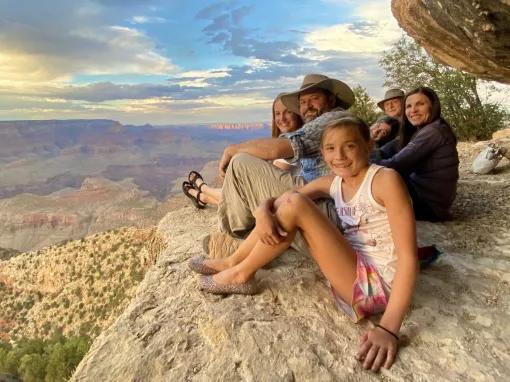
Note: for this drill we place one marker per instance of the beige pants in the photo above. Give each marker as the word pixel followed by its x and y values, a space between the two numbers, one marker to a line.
pixel 248 182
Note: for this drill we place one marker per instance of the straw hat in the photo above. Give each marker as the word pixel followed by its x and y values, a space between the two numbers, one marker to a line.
pixel 342 91
pixel 390 94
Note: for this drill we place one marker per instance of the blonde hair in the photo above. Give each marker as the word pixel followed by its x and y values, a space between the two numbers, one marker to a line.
pixel 349 121
pixel 275 131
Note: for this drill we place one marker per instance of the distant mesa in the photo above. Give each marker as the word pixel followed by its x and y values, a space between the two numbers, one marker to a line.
pixel 238 126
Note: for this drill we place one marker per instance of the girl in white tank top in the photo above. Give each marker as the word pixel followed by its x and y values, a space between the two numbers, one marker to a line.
pixel 365 225
pixel 371 267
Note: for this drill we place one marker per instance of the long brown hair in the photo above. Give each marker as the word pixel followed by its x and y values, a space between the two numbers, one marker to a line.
pixel 407 129
pixel 275 131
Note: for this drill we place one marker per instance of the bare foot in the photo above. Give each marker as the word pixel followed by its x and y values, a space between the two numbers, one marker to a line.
pixel 219 264
pixel 199 182
pixel 231 276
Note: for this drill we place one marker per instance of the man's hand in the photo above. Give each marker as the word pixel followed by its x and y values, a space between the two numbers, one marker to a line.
pixel 283 165
pixel 377 348
pixel 267 227
pixel 225 160
pixel 379 130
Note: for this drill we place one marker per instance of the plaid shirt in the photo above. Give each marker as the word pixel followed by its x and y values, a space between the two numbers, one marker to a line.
pixel 306 144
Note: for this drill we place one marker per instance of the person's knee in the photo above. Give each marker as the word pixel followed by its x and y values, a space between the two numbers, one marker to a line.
pixel 241 157
pixel 242 162
pixel 290 206
pixel 293 202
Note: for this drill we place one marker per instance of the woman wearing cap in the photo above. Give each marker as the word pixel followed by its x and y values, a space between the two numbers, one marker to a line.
pixel 427 160
pixel 284 121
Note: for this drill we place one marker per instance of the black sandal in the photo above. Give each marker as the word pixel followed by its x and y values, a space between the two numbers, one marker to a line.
pixel 186 186
pixel 193 176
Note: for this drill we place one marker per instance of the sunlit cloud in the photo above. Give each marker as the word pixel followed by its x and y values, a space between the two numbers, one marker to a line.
pixel 198 78
pixel 42 52
pixel 372 30
pixel 146 20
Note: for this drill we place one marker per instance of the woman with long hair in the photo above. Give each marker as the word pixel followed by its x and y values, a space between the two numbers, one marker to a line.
pixel 427 158
pixel 283 121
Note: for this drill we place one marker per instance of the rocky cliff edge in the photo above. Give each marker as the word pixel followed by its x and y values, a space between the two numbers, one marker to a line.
pixel 457 329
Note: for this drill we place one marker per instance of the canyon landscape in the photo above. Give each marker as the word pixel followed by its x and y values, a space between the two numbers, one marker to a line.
pixel 63 180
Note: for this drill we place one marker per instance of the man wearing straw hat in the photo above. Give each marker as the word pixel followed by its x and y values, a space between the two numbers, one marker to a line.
pixel 250 179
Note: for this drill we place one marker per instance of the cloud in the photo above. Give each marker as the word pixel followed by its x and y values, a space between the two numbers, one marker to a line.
pixel 217 24
pixel 210 11
pixel 81 42
pixel 374 31
pixel 122 3
pixel 239 13
pixel 225 28
pixel 43 50
pixel 146 20
pixel 107 91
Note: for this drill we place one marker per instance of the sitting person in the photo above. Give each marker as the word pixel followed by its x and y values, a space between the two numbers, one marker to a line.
pixel 428 159
pixel 371 268
pixel 283 121
pixel 249 179
pixel 384 130
pixel 392 104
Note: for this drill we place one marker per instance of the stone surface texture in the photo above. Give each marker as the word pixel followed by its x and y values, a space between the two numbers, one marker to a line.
pixel 470 35
pixel 457 329
pixel 503 133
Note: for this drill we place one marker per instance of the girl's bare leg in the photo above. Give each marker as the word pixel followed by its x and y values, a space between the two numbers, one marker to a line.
pixel 239 255
pixel 260 255
pixel 331 251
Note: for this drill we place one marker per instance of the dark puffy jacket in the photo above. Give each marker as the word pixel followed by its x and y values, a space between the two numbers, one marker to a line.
pixel 430 164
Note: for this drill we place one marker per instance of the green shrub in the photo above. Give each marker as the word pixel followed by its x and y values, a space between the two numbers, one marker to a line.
pixel 37 360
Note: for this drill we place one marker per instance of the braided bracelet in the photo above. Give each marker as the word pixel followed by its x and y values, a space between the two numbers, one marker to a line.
pixel 388 331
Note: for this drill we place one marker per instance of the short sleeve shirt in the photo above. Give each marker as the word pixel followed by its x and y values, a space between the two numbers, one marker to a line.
pixel 306 142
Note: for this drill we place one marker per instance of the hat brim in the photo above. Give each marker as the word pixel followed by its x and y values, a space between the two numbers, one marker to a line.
pixel 381 103
pixel 339 89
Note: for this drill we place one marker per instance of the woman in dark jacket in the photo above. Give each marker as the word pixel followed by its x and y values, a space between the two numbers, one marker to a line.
pixel 428 159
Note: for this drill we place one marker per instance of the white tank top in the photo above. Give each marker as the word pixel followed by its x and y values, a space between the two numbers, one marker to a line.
pixel 365 225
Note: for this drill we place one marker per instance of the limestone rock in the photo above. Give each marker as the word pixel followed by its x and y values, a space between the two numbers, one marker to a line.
pixel 457 329
pixel 218 244
pixel 470 35
pixel 503 133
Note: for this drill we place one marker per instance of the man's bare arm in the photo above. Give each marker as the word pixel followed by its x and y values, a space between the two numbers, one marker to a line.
pixel 264 148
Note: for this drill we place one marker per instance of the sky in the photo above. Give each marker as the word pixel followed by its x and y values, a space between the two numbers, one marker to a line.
pixel 181 61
